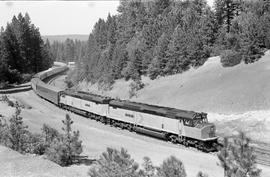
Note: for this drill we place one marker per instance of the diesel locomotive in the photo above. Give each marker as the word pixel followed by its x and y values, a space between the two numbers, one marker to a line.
pixel 178 126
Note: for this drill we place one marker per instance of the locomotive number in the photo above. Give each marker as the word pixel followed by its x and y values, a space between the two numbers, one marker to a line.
pixel 129 115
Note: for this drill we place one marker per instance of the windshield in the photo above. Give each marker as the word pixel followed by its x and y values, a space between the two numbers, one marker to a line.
pixel 200 122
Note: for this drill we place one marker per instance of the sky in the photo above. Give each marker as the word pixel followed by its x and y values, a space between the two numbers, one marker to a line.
pixel 60 17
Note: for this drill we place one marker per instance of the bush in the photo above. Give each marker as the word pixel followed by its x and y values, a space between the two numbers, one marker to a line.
pixel 36 144
pixel 49 134
pixel 230 58
pixel 5 99
pixel 4 84
pixel 4 131
pixel 172 167
pixel 115 163
pixel 57 152
pixel 26 77
pixel 149 170
pixel 134 87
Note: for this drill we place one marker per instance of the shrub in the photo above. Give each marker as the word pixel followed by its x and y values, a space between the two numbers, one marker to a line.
pixel 69 83
pixel 134 87
pixel 49 134
pixel 57 152
pixel 230 58
pixel 14 76
pixel 4 84
pixel 148 168
pixel 36 144
pixel 5 99
pixel 172 167
pixel 4 131
pixel 26 77
pixel 114 163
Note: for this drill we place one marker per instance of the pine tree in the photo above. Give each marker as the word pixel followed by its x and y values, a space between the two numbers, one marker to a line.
pixel 244 157
pixel 17 131
pixel 172 167
pixel 238 158
pixel 114 163
pixel 21 49
pixel 177 52
pixel 65 149
pixel 72 142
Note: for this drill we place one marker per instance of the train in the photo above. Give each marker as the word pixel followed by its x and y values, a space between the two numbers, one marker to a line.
pixel 175 125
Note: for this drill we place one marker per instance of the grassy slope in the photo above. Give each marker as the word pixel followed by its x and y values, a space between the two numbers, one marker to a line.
pixel 210 88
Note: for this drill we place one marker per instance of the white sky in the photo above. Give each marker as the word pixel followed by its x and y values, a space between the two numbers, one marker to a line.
pixel 60 17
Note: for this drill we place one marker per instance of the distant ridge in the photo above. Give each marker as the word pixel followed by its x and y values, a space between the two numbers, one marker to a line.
pixel 62 38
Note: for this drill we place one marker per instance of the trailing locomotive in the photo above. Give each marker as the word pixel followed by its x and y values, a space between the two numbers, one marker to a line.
pixel 178 126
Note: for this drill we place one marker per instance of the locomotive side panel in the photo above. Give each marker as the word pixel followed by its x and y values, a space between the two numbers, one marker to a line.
pixel 173 126
pixel 72 101
pixel 122 114
pixel 63 99
pixel 92 107
pixel 76 102
pixel 149 120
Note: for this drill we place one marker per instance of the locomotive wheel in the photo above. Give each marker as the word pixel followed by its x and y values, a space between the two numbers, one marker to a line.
pixel 185 143
pixel 173 139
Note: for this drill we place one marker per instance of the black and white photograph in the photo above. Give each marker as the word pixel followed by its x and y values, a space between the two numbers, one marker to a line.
pixel 135 88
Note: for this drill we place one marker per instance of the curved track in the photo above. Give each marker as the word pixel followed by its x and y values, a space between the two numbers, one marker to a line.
pixel 21 88
pixel 263 155
pixel 262 152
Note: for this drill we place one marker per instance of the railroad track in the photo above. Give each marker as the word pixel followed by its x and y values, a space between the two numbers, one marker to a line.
pixel 53 79
pixel 21 88
pixel 263 155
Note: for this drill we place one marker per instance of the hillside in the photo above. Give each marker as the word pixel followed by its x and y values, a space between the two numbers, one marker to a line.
pixel 14 164
pixel 62 38
pixel 210 88
pixel 235 98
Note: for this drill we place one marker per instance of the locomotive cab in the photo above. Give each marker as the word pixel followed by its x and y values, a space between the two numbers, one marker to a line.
pixel 201 132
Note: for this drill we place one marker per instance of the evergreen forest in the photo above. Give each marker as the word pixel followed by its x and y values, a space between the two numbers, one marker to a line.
pixel 22 51
pixel 166 37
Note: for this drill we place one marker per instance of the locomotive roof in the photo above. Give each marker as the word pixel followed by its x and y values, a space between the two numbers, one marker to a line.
pixel 157 110
pixel 87 96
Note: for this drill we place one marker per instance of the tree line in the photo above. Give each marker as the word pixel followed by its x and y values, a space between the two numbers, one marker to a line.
pixel 70 50
pixel 165 37
pixel 22 51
